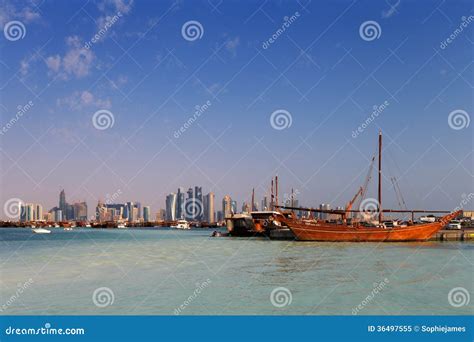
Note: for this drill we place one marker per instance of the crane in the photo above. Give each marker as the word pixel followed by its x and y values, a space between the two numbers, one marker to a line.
pixel 362 190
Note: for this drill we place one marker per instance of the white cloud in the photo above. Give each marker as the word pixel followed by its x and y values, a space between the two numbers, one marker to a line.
pixel 82 99
pixel 76 62
pixel 232 44
pixel 10 11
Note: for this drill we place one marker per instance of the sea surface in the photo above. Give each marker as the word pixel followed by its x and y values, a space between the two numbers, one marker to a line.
pixel 166 272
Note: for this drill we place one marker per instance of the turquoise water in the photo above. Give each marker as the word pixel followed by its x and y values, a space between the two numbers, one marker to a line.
pixel 162 270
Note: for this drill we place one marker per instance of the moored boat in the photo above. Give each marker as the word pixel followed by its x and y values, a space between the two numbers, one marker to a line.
pixel 41 231
pixel 321 230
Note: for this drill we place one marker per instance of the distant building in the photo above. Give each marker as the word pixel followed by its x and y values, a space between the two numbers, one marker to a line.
pixel 80 211
pixel 265 204
pixel 233 205
pixel 209 207
pixel 171 201
pixel 181 200
pixel 58 215
pixel 160 215
pixel 38 212
pixel 246 207
pixel 146 214
pixel 226 206
pixel 198 203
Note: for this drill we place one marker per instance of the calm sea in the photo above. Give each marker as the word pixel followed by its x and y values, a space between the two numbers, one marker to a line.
pixel 166 272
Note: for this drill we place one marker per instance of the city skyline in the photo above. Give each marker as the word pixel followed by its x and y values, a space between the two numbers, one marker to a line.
pixel 188 110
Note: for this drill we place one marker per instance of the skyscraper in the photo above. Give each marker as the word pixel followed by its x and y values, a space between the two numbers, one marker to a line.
pixel 209 208
pixel 38 212
pixel 62 200
pixel 146 213
pixel 265 203
pixel 130 210
pixel 226 206
pixel 171 200
pixel 233 205
pixel 180 203
pixel 199 211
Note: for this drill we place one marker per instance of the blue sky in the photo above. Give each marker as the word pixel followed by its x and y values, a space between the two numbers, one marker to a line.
pixel 319 69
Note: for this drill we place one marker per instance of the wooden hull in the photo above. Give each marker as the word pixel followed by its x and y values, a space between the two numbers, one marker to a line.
pixel 340 232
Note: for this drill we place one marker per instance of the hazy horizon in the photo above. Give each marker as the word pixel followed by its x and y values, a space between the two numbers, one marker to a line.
pixel 189 110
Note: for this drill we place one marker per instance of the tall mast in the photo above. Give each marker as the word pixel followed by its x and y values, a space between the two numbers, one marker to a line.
pixel 380 178
pixel 271 196
pixel 276 190
pixel 253 200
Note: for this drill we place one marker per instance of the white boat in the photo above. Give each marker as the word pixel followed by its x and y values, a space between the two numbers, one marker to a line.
pixel 41 231
pixel 68 228
pixel 181 224
pixel 121 226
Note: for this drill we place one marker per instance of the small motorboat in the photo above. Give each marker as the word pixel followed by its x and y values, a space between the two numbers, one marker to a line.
pixel 41 231
pixel 68 229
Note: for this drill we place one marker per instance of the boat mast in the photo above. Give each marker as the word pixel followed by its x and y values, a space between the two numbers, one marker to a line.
pixel 276 190
pixel 380 178
pixel 253 200
pixel 271 196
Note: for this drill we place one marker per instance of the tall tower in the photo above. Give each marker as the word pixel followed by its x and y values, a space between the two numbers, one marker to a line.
pixel 209 207
pixel 227 206
pixel 62 201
